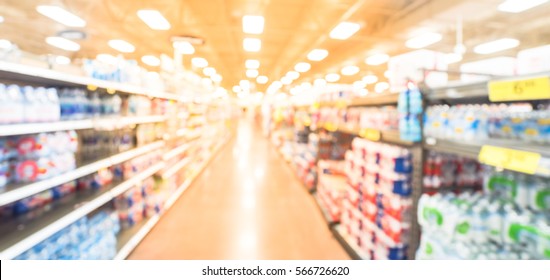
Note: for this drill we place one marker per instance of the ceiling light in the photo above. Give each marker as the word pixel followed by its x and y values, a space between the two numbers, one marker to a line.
pixel 359 84
pixel 106 58
pixel 302 67
pixel 5 44
pixel 1 19
pixel 370 79
pixel 236 88
pixel 381 87
pixel 262 80
pixel 496 46
pixel 363 92
pixel 294 90
pixel 252 64
pixel 150 60
pixel 349 70
pixel 253 24
pixel 286 80
pixel 423 40
pixel 63 44
pixel 317 54
pixel 62 60
pixel 277 84
pixel 377 59
pixel 252 44
pixel 293 75
pixel 61 15
pixel 387 74
pixel 451 58
pixel 306 85
pixel 518 6
pixel 251 73
pixel 184 47
pixel 344 30
pixel 154 19
pixel 122 46
pixel 199 62
pixel 209 71
pixel 332 78
pixel 245 84
pixel 216 78
pixel 320 82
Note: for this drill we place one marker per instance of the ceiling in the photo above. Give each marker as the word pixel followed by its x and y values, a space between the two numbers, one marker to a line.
pixel 292 29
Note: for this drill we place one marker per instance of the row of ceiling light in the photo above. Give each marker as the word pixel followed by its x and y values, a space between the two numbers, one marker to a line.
pixel 152 18
pixel 345 30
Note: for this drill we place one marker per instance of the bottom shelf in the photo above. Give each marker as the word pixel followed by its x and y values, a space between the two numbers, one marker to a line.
pixel 326 216
pixel 128 240
pixel 353 251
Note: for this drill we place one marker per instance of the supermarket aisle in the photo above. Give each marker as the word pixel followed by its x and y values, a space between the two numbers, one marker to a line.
pixel 247 204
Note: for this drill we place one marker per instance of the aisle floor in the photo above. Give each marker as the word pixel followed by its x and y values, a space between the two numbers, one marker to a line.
pixel 247 204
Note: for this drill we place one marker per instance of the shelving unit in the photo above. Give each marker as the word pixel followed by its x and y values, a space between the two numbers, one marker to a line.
pixel 326 215
pixel 352 250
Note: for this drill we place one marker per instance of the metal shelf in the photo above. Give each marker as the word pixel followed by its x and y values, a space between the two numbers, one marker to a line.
pixel 387 136
pixel 12 193
pixel 46 77
pixel 375 100
pixel 101 123
pixel 324 212
pixel 23 234
pixel 352 249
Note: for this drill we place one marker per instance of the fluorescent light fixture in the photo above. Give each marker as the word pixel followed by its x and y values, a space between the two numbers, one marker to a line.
pixel 62 60
pixel 518 6
pixel 363 92
pixel 496 46
pixel 423 40
pixel 252 44
pixel 216 78
pixel 262 80
pixel 122 46
pixel 320 82
pixel 245 84
pixel 306 85
pixel 451 58
pixel 62 43
pixel 1 19
pixel 61 15
pixel 359 84
pixel 236 88
pixel 251 73
pixel 106 58
pixel 381 87
pixel 302 67
pixel 184 47
pixel 332 78
pixel 5 44
pixel 277 84
pixel 252 64
pixel 199 62
pixel 154 19
pixel 344 30
pixel 293 75
pixel 377 59
pixel 294 90
pixel 349 70
pixel 370 79
pixel 387 74
pixel 209 71
pixel 286 80
pixel 150 60
pixel 317 54
pixel 253 24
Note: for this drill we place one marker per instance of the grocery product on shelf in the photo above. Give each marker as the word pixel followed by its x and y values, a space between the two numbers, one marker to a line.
pixel 99 143
pixel 137 204
pixel 410 110
pixel 331 188
pixel 377 209
pixel 449 171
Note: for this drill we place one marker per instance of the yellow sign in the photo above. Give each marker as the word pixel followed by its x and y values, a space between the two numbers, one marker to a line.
pixel 520 161
pixel 341 104
pixel 330 127
pixel 370 134
pixel 91 87
pixel 316 105
pixel 518 90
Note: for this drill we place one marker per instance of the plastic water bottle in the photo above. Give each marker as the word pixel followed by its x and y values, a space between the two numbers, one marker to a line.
pixel 53 104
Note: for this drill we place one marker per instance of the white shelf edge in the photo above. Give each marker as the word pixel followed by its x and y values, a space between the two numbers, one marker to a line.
pixel 175 152
pixel 80 212
pixel 111 123
pixel 175 168
pixel 136 239
pixel 48 74
pixel 37 187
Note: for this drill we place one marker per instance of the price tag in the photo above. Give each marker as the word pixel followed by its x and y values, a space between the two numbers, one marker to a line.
pixel 316 105
pixel 520 161
pixel 341 104
pixel 91 87
pixel 518 90
pixel 370 134
pixel 330 127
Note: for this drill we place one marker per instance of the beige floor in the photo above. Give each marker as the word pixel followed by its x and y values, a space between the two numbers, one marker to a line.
pixel 247 204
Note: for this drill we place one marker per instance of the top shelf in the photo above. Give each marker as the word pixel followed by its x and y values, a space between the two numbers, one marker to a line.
pixel 371 100
pixel 47 77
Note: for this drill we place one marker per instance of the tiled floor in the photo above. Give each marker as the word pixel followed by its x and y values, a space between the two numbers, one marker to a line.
pixel 246 204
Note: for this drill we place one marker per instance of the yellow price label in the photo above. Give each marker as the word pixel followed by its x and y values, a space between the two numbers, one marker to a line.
pixel 330 127
pixel 518 90
pixel 520 161
pixel 370 134
pixel 91 87
pixel 341 104
pixel 316 105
